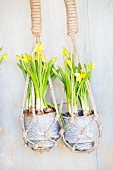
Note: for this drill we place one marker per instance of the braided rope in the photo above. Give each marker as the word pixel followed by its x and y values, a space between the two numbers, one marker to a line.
pixel 36 19
pixel 33 101
pixel 32 125
pixel 25 92
pixel 53 96
pixel 72 18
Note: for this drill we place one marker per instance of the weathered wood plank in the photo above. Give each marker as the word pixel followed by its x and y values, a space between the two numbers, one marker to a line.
pixel 101 43
pixel 16 37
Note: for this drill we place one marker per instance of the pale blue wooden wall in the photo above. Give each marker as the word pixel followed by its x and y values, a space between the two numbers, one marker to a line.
pixel 95 42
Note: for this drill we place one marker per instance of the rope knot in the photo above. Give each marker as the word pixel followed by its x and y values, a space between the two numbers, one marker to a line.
pixel 21 116
pixel 24 134
pixel 62 132
pixel 95 117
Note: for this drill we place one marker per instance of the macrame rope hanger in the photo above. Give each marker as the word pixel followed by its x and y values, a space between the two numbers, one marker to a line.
pixel 36 28
pixel 72 30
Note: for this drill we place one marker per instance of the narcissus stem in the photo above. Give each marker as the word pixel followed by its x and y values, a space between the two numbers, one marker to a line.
pixel 39 104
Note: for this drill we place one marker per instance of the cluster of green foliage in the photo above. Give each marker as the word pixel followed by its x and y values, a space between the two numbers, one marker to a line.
pixel 72 76
pixel 39 70
pixel 74 81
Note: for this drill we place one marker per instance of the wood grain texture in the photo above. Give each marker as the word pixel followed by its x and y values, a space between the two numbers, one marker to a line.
pixel 95 41
pixel 101 46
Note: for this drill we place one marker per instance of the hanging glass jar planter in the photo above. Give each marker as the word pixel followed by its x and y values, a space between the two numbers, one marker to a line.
pixel 81 130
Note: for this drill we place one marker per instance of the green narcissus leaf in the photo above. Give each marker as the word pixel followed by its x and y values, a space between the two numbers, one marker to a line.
pixel 1 48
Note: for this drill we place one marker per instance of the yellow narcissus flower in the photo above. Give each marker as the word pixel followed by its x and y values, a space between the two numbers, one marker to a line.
pixel 38 48
pixel 82 75
pixel 42 56
pixel 79 76
pixel 26 58
pixel 54 59
pixel 18 57
pixel 91 66
pixel 4 57
pixel 65 52
pixel 36 57
pixel 69 63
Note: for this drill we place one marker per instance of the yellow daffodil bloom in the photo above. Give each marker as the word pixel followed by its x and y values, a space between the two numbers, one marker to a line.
pixel 38 48
pixel 36 57
pixel 91 66
pixel 42 56
pixel 69 63
pixel 82 75
pixel 65 52
pixel 54 59
pixel 26 58
pixel 79 76
pixel 5 57
pixel 18 57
